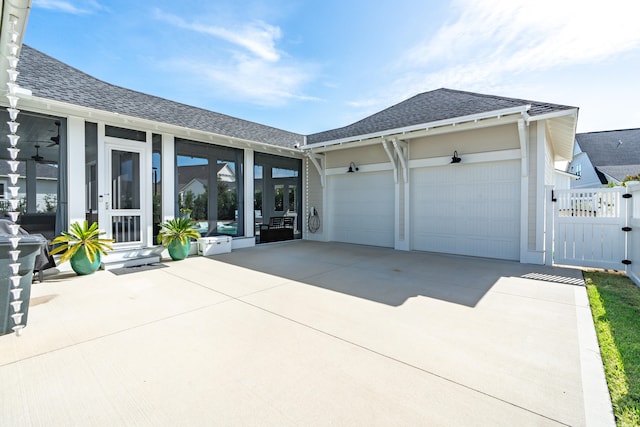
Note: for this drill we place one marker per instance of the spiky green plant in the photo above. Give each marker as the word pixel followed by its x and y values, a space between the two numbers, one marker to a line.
pixel 177 229
pixel 81 237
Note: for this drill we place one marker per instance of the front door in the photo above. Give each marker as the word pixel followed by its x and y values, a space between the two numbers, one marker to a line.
pixel 285 199
pixel 123 201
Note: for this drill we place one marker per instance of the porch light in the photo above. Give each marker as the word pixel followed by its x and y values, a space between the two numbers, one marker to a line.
pixel 455 158
pixel 352 168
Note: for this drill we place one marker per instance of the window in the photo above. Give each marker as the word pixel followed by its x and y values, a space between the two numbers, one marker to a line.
pixel 123 133
pixel 209 187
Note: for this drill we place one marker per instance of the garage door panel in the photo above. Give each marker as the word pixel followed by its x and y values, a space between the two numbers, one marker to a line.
pixel 362 208
pixel 467 209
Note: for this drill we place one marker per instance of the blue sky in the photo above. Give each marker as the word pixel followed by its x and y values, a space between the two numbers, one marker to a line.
pixel 309 66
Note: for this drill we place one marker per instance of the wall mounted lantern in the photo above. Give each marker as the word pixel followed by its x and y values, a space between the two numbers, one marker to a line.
pixel 352 168
pixel 455 158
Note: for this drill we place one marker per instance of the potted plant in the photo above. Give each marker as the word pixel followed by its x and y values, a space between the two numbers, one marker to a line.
pixel 175 235
pixel 82 246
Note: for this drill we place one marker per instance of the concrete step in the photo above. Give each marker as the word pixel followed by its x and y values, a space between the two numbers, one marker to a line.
pixel 132 257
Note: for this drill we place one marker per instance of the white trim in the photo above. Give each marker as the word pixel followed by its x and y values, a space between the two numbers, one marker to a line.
pixel 541 147
pixel 76 178
pixel 489 156
pixel 167 180
pixel 424 126
pixel 374 167
pixel 568 174
pixel 249 194
pixel 569 112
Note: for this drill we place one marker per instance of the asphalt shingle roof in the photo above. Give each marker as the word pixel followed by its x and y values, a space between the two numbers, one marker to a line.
pixel 614 152
pixel 49 78
pixel 428 107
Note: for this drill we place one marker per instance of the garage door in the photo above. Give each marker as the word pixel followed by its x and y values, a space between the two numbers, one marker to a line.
pixel 469 209
pixel 361 208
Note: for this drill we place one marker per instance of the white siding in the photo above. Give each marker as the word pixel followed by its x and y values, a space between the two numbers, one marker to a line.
pixel 313 198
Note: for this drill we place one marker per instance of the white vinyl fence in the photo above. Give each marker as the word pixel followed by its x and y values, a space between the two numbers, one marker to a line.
pixel 597 227
pixel 590 227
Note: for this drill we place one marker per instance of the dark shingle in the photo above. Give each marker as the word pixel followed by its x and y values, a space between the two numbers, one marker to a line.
pixel 614 152
pixel 49 78
pixel 428 107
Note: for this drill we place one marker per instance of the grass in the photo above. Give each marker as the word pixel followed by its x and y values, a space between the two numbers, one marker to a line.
pixel 615 306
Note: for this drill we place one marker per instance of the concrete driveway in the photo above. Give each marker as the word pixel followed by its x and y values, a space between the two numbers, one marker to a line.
pixel 303 334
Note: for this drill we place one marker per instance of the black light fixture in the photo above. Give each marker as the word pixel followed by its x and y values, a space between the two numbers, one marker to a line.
pixel 352 168
pixel 455 158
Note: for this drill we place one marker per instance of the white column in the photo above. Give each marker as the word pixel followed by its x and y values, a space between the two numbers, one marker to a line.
pixel 76 170
pixel 249 224
pixel 168 176
pixel 32 195
pixel 541 182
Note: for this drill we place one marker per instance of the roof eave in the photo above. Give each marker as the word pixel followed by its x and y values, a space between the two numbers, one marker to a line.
pixel 561 126
pixel 47 106
pixel 389 133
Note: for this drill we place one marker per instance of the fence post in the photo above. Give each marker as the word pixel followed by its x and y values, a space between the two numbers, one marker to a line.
pixel 549 224
pixel 633 237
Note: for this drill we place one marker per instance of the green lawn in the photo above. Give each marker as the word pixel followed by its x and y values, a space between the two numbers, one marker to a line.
pixel 615 305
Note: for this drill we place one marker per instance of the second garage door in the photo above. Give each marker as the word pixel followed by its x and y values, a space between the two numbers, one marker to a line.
pixel 471 209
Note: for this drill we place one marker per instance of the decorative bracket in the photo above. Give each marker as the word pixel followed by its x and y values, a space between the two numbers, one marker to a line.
pixel 402 149
pixel 394 163
pixel 318 161
pixel 524 146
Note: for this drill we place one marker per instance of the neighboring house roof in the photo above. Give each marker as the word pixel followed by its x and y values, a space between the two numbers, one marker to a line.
pixel 428 107
pixel 187 174
pixel 49 78
pixel 615 153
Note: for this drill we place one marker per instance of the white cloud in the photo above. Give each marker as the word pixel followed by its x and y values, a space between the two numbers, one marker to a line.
pixel 520 34
pixel 258 37
pixel 251 79
pixel 491 45
pixel 255 71
pixel 67 6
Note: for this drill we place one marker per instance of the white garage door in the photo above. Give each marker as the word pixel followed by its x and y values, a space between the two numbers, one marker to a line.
pixel 361 208
pixel 467 209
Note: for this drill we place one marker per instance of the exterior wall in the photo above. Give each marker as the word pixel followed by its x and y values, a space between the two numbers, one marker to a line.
pixel 371 154
pixel 313 197
pixel 481 140
pixel 588 176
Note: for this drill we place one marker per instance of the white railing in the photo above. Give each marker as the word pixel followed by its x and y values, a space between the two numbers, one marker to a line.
pixel 601 203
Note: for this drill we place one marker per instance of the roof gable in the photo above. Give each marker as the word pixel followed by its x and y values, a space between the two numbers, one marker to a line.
pixel 433 106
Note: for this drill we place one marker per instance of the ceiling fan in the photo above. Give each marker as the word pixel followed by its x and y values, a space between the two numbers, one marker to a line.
pixel 37 157
pixel 55 140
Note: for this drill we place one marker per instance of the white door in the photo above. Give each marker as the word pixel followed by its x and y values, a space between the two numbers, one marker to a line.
pixel 471 209
pixel 123 201
pixel 361 208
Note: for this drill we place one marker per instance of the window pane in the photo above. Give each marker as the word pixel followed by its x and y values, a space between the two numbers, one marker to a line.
pixel 123 133
pixel 125 176
pixel 193 190
pixel 278 194
pixel 156 178
pixel 227 198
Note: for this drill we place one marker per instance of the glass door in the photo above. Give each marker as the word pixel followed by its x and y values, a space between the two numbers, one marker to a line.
pixel 123 201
